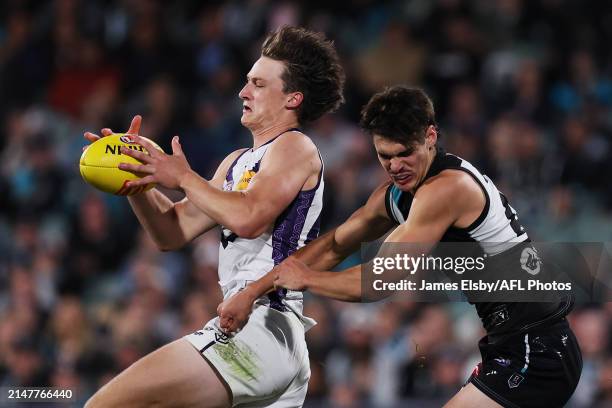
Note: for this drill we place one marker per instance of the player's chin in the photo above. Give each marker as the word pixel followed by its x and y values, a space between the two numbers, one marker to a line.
pixel 245 120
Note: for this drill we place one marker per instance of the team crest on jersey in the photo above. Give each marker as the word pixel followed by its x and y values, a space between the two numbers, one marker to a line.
pixel 530 261
pixel 515 380
pixel 246 178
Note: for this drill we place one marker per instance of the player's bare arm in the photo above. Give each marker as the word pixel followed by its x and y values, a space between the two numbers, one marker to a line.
pixel 247 213
pixel 173 225
pixel 368 223
pixel 451 198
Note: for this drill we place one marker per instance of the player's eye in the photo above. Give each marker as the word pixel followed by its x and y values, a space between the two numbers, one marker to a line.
pixel 405 153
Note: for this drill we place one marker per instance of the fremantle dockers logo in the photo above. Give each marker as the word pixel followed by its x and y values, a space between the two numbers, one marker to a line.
pixel 530 261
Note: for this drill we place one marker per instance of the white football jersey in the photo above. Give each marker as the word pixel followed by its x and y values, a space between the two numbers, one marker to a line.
pixel 243 260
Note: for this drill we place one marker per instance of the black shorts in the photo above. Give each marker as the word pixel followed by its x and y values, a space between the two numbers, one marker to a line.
pixel 538 368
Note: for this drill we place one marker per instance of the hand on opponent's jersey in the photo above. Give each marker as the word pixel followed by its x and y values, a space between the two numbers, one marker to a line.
pixel 164 169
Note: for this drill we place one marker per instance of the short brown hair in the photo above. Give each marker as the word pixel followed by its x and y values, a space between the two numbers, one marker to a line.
pixel 312 67
pixel 399 113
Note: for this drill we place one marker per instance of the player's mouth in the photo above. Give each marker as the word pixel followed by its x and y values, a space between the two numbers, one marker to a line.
pixel 404 178
pixel 246 109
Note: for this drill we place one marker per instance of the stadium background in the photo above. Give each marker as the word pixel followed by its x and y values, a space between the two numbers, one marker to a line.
pixel 523 89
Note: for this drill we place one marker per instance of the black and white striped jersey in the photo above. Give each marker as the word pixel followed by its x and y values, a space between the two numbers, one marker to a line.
pixel 499 236
pixel 497 228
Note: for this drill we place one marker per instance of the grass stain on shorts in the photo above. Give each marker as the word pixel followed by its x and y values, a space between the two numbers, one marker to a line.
pixel 240 359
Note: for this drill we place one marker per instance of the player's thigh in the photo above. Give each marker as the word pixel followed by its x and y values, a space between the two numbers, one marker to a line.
pixel 471 397
pixel 172 376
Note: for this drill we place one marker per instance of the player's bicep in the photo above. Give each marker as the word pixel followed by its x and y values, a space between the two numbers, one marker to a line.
pixel 193 221
pixel 431 214
pixel 278 181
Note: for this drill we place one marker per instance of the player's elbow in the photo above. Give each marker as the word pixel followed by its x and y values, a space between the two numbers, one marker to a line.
pixel 249 231
pixel 251 228
pixel 168 248
pixel 170 245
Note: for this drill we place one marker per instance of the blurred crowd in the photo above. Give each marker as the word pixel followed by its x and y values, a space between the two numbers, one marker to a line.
pixel 523 89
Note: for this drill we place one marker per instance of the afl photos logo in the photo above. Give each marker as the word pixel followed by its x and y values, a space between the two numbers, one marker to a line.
pixel 530 261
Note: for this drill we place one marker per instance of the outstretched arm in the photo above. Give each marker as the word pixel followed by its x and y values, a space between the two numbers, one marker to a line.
pixel 247 213
pixel 366 224
pixel 446 200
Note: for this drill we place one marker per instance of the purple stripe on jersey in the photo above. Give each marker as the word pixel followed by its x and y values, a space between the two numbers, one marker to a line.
pixel 228 176
pixel 286 237
pixel 288 228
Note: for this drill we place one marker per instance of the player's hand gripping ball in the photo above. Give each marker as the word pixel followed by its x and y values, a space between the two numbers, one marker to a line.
pixel 99 165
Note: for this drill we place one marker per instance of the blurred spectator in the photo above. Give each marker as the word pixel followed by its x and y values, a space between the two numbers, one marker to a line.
pixel 523 91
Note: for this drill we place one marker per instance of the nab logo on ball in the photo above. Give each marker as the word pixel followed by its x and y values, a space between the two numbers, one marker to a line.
pixel 99 165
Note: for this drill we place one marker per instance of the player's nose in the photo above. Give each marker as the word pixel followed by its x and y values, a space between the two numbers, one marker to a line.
pixel 395 164
pixel 245 93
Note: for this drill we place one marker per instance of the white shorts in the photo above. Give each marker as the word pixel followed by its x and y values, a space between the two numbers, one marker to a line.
pixel 265 364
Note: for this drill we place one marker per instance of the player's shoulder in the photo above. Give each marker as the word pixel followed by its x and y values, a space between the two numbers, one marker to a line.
pixel 295 141
pixel 376 205
pixel 450 186
pixel 229 160
pixel 233 156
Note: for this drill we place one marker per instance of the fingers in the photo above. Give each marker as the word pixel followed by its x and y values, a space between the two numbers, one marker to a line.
pixel 106 132
pixel 150 147
pixel 138 155
pixel 225 323
pixel 229 325
pixel 137 168
pixel 135 125
pixel 141 182
pixel 91 137
pixel 177 150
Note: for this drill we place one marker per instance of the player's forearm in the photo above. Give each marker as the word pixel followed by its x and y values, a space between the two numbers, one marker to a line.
pixel 324 253
pixel 344 285
pixel 260 287
pixel 228 208
pixel 156 215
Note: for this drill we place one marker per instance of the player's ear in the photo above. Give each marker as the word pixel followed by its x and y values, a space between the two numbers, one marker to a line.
pixel 294 99
pixel 431 135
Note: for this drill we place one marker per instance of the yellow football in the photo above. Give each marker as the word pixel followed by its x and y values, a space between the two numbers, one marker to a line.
pixel 99 165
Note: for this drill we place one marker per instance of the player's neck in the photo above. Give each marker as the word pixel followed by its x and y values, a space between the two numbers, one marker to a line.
pixel 267 133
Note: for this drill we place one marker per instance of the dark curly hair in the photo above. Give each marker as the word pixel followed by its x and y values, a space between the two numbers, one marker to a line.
pixel 399 113
pixel 312 68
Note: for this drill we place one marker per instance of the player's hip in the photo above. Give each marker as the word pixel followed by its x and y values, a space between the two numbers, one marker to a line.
pixel 266 361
